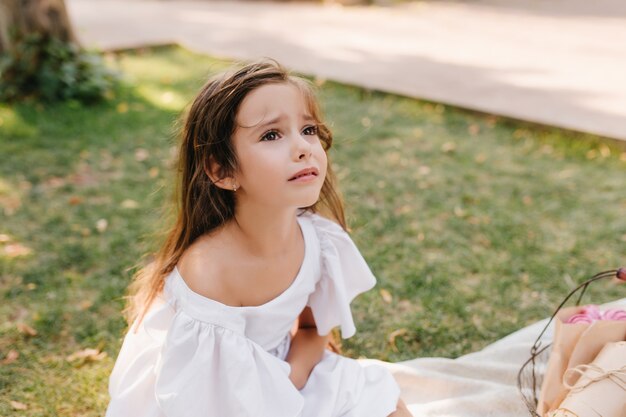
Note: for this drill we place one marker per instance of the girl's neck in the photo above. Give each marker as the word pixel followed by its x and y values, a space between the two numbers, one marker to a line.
pixel 265 232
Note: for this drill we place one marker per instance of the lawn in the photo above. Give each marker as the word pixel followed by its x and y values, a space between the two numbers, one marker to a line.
pixel 474 225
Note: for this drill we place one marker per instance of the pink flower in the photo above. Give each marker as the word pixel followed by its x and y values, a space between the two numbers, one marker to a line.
pixel 590 313
pixel 614 314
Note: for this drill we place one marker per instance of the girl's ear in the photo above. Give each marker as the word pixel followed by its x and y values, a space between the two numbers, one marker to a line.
pixel 215 173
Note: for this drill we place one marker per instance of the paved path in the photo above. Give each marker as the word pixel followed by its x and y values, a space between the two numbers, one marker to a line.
pixel 558 62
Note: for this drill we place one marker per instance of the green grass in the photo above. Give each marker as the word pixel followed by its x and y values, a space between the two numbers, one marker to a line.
pixel 475 225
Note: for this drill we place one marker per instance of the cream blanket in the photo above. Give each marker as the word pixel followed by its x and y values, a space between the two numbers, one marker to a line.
pixel 480 384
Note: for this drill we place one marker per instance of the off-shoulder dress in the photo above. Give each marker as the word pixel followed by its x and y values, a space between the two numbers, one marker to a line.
pixel 195 357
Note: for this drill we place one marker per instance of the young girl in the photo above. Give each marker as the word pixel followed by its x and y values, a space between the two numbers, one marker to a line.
pixel 233 316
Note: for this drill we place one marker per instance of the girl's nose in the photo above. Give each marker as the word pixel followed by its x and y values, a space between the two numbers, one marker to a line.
pixel 302 145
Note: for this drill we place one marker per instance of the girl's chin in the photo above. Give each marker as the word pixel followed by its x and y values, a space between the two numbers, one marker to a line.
pixel 307 202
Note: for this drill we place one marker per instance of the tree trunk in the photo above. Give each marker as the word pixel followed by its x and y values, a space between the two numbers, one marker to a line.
pixel 19 18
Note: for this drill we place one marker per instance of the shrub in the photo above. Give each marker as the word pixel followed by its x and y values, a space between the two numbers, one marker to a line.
pixel 48 69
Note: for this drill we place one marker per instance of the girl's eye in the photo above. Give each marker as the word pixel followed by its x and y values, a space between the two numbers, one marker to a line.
pixel 269 136
pixel 310 130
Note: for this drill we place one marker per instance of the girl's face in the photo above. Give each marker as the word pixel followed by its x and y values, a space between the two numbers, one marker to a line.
pixel 276 137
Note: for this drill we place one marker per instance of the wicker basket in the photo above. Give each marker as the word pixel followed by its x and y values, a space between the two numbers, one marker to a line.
pixel 530 376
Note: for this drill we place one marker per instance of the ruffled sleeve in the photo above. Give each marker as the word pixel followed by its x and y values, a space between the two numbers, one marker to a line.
pixel 208 370
pixel 192 368
pixel 344 275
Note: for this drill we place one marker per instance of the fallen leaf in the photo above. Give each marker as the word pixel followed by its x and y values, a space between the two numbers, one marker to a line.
pixel 473 129
pixel 26 329
pixel 101 225
pixel 18 405
pixel 87 354
pixel 4 238
pixel 130 204
pixel 459 212
pixel 448 147
pixel 141 154
pixel 85 304
pixel 11 357
pixel 605 151
pixel 320 81
pixel 480 158
pixel 122 107
pixel 75 200
pixel 153 172
pixel 54 182
pixel 386 295
pixel 403 209
pixel 393 335
pixel 15 249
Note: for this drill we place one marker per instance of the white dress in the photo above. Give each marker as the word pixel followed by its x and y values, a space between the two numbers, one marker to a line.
pixel 196 357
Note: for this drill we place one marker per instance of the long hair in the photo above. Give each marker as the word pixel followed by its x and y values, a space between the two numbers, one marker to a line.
pixel 200 205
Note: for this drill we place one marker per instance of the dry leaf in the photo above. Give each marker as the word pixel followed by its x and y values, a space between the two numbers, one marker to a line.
pixel 15 249
pixel 394 334
pixel 85 304
pixel 75 200
pixel 319 81
pixel 87 354
pixel 122 107
pixel 448 147
pixel 4 238
pixel 153 172
pixel 101 225
pixel 403 209
pixel 11 357
pixel 130 204
pixel 54 182
pixel 386 295
pixel 141 154
pixel 18 405
pixel 473 129
pixel 459 212
pixel 26 329
pixel 605 151
pixel 423 170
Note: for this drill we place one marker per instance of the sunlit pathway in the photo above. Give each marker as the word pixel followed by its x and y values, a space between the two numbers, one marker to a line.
pixel 561 63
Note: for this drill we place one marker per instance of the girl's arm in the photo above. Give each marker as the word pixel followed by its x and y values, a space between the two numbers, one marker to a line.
pixel 307 348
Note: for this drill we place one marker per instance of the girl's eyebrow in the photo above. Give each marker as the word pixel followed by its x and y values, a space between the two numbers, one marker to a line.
pixel 306 117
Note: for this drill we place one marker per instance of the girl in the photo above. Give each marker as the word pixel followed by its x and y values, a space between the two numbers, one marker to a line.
pixel 220 326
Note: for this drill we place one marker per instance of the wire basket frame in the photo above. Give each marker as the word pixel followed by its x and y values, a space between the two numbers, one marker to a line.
pixel 530 375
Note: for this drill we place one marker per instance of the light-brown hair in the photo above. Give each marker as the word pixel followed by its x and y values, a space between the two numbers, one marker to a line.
pixel 205 139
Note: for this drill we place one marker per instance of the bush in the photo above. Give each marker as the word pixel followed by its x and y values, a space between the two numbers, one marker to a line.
pixel 45 68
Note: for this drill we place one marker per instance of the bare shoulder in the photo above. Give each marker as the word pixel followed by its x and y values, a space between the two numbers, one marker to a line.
pixel 204 268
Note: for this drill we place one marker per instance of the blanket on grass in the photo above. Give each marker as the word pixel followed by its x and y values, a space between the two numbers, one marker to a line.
pixel 480 384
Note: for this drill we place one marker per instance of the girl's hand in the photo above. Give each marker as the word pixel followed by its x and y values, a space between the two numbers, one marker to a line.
pixel 297 377
pixel 306 350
